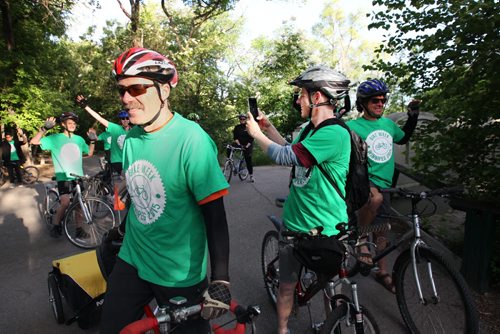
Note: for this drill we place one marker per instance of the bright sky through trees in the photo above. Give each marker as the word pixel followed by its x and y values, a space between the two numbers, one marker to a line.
pixel 262 17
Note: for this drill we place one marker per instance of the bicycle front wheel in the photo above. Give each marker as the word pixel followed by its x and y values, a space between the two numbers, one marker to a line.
pixel 85 233
pixel 228 170
pixel 450 310
pixel 270 265
pixel 343 320
pixel 30 174
pixel 242 170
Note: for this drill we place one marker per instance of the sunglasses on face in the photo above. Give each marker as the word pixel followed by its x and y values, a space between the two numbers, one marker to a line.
pixel 124 118
pixel 377 100
pixel 134 90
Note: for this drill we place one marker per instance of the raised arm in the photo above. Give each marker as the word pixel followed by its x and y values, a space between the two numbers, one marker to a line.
pixel 49 124
pixel 82 102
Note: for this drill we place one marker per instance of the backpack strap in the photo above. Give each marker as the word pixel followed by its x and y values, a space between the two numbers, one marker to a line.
pixel 333 183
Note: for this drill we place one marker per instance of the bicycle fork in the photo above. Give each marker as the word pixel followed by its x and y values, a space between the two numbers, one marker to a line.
pixel 415 244
pixel 85 209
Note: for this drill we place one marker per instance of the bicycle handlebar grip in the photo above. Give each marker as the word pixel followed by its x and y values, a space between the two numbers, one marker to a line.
pixel 140 326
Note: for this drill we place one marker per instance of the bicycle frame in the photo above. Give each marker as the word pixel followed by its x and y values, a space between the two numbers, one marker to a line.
pixel 329 286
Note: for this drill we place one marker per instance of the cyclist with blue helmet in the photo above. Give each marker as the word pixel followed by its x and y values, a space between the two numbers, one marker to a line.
pixel 67 150
pixel 380 133
pixel 117 133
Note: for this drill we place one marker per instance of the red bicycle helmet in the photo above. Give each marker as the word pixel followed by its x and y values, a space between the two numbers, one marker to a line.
pixel 145 63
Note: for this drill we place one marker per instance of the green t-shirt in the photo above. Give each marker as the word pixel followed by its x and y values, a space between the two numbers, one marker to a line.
pixel 105 137
pixel 118 134
pixel 67 154
pixel 168 172
pixel 313 201
pixel 380 135
pixel 13 152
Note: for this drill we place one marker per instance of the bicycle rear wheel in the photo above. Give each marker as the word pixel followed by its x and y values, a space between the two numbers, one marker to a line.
pixel 228 170
pixel 85 234
pixel 451 311
pixel 343 319
pixel 242 170
pixel 270 265
pixel 30 174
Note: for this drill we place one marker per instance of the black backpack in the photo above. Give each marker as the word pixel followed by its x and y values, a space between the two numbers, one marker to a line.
pixel 357 183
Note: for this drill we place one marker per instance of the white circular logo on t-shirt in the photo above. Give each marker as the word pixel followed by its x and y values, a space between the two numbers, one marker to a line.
pixel 70 154
pixel 120 140
pixel 109 140
pixel 300 178
pixel 379 146
pixel 146 191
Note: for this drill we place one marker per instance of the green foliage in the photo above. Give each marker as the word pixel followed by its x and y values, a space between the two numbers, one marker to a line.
pixel 448 54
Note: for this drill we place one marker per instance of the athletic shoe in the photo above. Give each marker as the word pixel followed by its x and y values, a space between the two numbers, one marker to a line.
pixel 251 179
pixel 56 231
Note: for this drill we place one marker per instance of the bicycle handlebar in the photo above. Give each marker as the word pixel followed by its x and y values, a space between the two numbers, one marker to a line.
pixel 443 192
pixel 243 315
pixel 235 148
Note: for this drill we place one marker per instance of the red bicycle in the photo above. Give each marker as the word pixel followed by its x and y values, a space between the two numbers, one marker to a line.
pixel 165 319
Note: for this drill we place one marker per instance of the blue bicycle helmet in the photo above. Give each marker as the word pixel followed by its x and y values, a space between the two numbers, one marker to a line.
pixel 371 88
pixel 123 113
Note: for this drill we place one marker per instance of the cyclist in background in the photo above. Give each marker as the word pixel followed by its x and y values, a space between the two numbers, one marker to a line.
pixel 13 156
pixel 380 133
pixel 177 214
pixel 117 132
pixel 106 138
pixel 312 201
pixel 245 141
pixel 67 150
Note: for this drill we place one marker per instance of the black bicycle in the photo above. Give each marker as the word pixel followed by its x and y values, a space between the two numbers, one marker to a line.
pixel 30 174
pixel 432 296
pixel 235 164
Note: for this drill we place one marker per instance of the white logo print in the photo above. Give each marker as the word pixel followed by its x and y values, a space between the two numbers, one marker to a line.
pixel 300 179
pixel 146 190
pixel 379 146
pixel 70 154
pixel 120 140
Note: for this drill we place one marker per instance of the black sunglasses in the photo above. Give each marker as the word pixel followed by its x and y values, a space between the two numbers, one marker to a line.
pixel 134 90
pixel 376 100
pixel 124 118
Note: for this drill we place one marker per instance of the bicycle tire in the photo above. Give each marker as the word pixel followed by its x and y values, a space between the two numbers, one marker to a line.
pixel 452 312
pixel 103 220
pixel 30 174
pixel 55 299
pixel 336 321
pixel 51 205
pixel 270 265
pixel 228 170
pixel 242 170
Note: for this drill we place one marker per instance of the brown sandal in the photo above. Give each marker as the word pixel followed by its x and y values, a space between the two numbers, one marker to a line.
pixel 382 279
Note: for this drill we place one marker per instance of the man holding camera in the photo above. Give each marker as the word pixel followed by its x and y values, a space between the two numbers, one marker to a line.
pixel 380 133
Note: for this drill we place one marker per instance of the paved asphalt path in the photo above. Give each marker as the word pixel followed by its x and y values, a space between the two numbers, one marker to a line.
pixel 27 252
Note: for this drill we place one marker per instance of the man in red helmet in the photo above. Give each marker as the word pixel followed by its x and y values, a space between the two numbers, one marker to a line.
pixel 177 212
pixel 67 150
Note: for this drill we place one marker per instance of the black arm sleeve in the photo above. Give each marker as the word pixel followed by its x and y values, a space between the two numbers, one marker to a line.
pixel 218 238
pixel 408 128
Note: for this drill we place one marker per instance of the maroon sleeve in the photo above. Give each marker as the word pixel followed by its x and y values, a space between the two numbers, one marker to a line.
pixel 303 155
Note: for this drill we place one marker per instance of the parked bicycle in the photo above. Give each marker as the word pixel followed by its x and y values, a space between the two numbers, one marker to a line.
pixel 30 174
pixel 235 164
pixel 164 320
pixel 432 296
pixel 86 219
pixel 342 314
